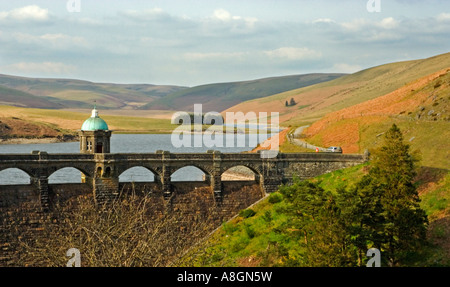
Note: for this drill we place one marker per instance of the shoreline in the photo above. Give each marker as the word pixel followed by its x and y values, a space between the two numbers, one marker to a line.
pixel 70 138
pixel 14 141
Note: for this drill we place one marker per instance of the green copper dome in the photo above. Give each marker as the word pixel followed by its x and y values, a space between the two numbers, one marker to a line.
pixel 94 123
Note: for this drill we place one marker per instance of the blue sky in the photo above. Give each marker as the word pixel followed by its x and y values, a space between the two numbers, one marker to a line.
pixel 194 42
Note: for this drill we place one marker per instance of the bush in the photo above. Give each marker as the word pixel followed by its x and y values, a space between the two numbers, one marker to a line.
pixel 275 198
pixel 246 213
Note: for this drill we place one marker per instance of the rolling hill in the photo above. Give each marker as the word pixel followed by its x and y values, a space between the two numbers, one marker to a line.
pixel 421 109
pixel 220 96
pixel 315 101
pixel 75 94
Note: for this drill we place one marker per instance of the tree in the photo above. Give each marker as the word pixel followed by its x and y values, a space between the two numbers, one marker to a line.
pixel 316 216
pixel 389 183
pixel 292 102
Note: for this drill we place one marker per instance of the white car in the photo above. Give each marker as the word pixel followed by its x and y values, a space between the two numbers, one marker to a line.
pixel 334 149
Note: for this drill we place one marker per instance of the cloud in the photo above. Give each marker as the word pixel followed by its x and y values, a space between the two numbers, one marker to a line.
pixel 225 16
pixel 153 14
pixel 324 20
pixel 364 24
pixel 213 56
pixel 27 13
pixel 57 41
pixel 47 68
pixel 443 17
pixel 388 23
pixel 293 53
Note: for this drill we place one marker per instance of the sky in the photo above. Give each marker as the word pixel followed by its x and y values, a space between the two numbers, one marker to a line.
pixel 196 42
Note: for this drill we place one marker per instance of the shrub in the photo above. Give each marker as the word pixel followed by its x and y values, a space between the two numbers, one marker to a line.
pixel 275 198
pixel 246 213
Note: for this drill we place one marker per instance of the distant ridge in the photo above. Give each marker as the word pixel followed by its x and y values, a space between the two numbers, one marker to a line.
pixel 79 94
pixel 220 96
pixel 74 94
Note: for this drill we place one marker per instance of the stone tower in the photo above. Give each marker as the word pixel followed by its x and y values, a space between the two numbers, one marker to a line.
pixel 95 136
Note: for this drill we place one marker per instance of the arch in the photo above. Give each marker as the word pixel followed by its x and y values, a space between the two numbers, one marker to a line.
pixel 107 172
pixel 14 176
pixel 137 174
pixel 189 173
pixel 239 173
pixel 99 171
pixel 66 175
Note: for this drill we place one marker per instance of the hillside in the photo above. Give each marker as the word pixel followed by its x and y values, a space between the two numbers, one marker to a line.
pixel 314 102
pixel 68 93
pixel 17 122
pixel 77 94
pixel 221 96
pixel 354 112
pixel 421 109
pixel 13 97
pixel 263 237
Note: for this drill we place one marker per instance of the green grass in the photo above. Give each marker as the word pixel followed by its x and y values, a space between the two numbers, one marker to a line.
pixel 242 238
pixel 263 239
pixel 437 202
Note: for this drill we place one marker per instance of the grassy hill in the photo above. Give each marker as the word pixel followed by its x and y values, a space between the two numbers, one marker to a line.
pixel 218 97
pixel 43 123
pixel 77 94
pixel 315 101
pixel 15 97
pixel 421 109
pixel 68 93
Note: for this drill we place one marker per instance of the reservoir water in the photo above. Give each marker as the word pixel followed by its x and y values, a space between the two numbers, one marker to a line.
pixel 132 143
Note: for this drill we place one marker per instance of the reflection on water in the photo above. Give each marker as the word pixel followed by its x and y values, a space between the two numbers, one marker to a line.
pixel 143 143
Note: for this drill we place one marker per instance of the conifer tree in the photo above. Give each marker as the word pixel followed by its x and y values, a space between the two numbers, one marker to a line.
pixel 390 184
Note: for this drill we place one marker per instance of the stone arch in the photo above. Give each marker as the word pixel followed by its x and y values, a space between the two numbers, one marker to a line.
pixel 256 169
pixel 195 172
pixel 60 175
pixel 239 173
pixel 139 174
pixel 107 172
pixel 14 176
pixel 99 171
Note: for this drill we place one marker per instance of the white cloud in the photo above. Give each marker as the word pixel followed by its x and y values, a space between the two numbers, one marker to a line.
pixel 324 20
pixel 443 17
pixel 146 15
pixel 363 24
pixel 293 53
pixel 53 41
pixel 47 68
pixel 27 13
pixel 388 23
pixel 225 16
pixel 213 56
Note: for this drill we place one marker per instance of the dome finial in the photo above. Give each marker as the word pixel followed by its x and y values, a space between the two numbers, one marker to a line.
pixel 94 111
